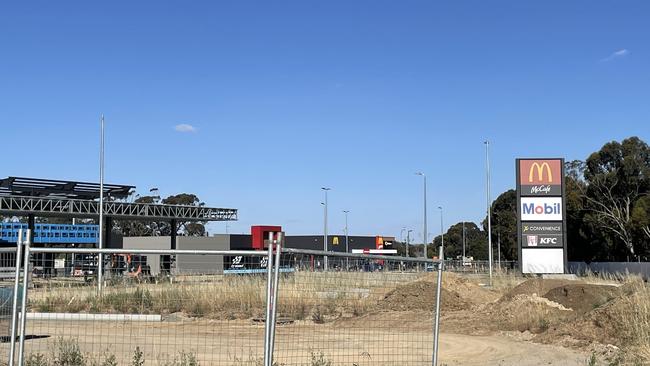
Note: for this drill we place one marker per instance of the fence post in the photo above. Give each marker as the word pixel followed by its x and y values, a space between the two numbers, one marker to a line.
pixel 14 306
pixel 274 303
pixel 269 301
pixel 23 303
pixel 436 335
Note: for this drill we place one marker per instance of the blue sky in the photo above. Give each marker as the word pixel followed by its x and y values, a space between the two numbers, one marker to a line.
pixel 286 97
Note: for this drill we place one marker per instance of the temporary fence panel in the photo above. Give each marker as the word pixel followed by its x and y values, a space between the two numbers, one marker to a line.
pixel 173 318
pixel 361 311
pixel 7 291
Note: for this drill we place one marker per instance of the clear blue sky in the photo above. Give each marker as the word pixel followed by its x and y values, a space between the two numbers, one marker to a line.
pixel 288 96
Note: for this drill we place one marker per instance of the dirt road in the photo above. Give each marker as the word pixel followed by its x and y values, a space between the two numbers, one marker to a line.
pixel 499 350
pixel 239 343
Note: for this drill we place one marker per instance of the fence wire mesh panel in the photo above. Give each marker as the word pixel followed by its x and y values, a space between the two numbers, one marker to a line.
pixel 7 276
pixel 154 309
pixel 357 312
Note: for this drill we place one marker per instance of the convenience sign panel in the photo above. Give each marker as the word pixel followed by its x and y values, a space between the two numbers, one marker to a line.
pixel 542 234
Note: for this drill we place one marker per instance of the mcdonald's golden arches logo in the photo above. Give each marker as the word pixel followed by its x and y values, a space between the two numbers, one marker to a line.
pixel 536 172
pixel 335 240
pixel 540 172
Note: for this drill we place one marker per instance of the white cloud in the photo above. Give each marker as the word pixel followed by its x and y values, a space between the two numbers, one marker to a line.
pixel 620 53
pixel 184 127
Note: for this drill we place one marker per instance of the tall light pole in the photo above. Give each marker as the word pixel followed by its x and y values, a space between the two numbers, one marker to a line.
pixel 442 228
pixel 100 257
pixel 489 204
pixel 499 249
pixel 347 247
pixel 346 212
pixel 425 212
pixel 325 189
pixel 441 258
pixel 463 241
pixel 408 241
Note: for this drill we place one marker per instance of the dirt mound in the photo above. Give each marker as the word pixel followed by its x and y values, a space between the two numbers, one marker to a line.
pixel 582 298
pixel 469 291
pixel 457 294
pixel 537 286
pixel 520 313
pixel 598 325
pixel 420 296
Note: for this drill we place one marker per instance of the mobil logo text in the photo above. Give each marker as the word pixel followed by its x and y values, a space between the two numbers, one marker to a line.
pixel 542 208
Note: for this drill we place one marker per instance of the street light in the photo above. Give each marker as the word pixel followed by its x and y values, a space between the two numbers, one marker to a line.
pixel 408 241
pixel 489 208
pixel 442 230
pixel 441 259
pixel 425 212
pixel 100 257
pixel 347 249
pixel 325 189
pixel 463 242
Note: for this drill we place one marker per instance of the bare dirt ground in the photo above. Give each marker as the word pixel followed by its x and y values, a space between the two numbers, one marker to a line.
pixel 526 322
pixel 240 343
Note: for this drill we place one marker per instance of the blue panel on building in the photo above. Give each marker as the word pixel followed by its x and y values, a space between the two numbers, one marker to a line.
pixel 51 233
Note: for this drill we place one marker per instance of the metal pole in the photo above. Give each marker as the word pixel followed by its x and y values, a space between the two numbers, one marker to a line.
pixel 347 246
pixel 269 301
pixel 489 208
pixel 425 237
pixel 325 264
pixel 442 229
pixel 408 240
pixel 23 303
pixel 274 302
pixel 14 306
pixel 499 249
pixel 436 334
pixel 100 258
pixel 463 241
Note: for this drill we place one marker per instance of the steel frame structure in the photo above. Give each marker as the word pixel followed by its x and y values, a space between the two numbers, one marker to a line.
pixel 48 206
pixel 21 186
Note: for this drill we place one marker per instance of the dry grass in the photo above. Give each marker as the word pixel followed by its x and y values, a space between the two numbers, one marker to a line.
pixel 303 295
pixel 633 310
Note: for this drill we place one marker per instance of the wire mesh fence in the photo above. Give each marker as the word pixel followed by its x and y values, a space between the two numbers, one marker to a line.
pixel 210 308
pixel 7 278
pixel 177 318
pixel 359 312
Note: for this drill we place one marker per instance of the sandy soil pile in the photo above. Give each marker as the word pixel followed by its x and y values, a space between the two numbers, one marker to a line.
pixel 551 309
pixel 457 294
pixel 582 298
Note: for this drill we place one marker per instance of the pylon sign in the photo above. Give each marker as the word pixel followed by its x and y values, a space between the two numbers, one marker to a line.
pixel 541 217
